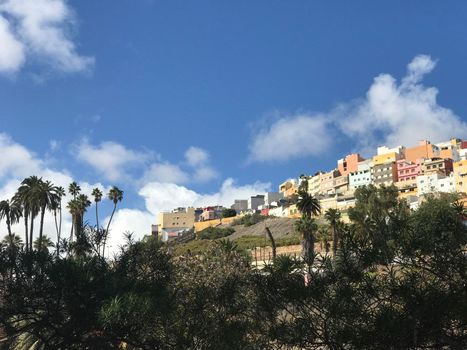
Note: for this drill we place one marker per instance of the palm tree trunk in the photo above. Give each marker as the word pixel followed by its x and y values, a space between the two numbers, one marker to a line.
pixel 31 232
pixel 107 230
pixel 8 225
pixel 56 229
pixel 334 239
pixel 97 218
pixel 41 227
pixel 26 229
pixel 59 230
pixel 273 242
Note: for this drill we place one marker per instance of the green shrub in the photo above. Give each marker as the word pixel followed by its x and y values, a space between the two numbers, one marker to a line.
pixel 249 219
pixel 215 232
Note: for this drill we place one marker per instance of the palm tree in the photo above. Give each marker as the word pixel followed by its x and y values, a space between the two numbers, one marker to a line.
pixel 97 194
pixel 307 204
pixel 27 196
pixel 115 195
pixel 47 199
pixel 333 216
pixel 11 212
pixel 307 227
pixel 57 205
pixel 42 244
pixel 77 208
pixel 74 190
pixel 13 241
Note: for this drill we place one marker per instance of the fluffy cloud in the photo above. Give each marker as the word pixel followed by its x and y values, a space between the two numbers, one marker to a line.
pixel 110 159
pixel 391 113
pixel 125 220
pixel 164 196
pixel 198 159
pixel 401 113
pixel 12 55
pixel 291 137
pixel 38 30
pixel 165 172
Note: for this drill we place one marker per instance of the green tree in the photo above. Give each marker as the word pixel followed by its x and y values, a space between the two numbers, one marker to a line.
pixel 228 213
pixel 333 216
pixel 57 206
pixel 42 244
pixel 11 212
pixel 115 195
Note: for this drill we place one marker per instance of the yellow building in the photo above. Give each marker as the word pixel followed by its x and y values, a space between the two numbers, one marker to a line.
pixel 460 176
pixel 177 220
pixel 288 188
pixel 385 158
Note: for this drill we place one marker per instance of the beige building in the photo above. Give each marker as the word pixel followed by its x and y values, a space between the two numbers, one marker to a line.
pixel 460 176
pixel 180 219
pixel 327 182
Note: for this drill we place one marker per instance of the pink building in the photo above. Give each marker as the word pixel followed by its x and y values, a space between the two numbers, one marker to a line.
pixel 407 170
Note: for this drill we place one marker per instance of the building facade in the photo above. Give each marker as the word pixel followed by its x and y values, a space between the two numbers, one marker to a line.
pixel 240 205
pixel 460 176
pixel 255 201
pixel 361 177
pixel 349 163
pixel 437 165
pixel 384 174
pixel 436 182
pixel 407 170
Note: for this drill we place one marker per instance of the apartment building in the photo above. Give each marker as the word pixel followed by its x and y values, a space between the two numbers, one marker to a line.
pixel 289 188
pixel 460 176
pixel 424 150
pixel 435 182
pixel 450 149
pixel 341 184
pixel 407 170
pixel 362 176
pixel 270 197
pixel 327 182
pixel 384 174
pixel 314 184
pixel 240 205
pixel 176 221
pixel 349 164
pixel 437 165
pixel 255 201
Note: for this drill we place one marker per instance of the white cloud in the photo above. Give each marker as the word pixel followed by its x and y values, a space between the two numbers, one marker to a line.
pixel 135 221
pixel 166 196
pixel 39 30
pixel 12 54
pixel 404 113
pixel 165 172
pixel 196 156
pixel 291 137
pixel 391 113
pixel 110 159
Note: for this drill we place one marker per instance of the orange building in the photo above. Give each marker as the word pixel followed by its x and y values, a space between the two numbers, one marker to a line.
pixel 424 150
pixel 460 175
pixel 349 164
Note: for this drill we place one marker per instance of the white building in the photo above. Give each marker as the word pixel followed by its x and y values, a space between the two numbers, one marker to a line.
pixel 255 201
pixel 436 182
pixel 362 176
pixel 400 150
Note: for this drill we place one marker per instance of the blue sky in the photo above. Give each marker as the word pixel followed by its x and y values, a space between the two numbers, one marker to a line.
pixel 169 99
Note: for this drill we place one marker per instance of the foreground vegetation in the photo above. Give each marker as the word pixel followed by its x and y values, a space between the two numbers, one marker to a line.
pixel 397 281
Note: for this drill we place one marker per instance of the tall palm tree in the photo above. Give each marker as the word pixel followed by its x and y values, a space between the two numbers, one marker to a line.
pixel 97 194
pixel 333 216
pixel 74 189
pixel 308 205
pixel 115 195
pixel 307 227
pixel 57 206
pixel 27 196
pixel 11 212
pixel 77 208
pixel 47 200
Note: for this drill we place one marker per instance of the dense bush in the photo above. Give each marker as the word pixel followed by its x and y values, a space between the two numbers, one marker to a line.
pixel 215 232
pixel 249 219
